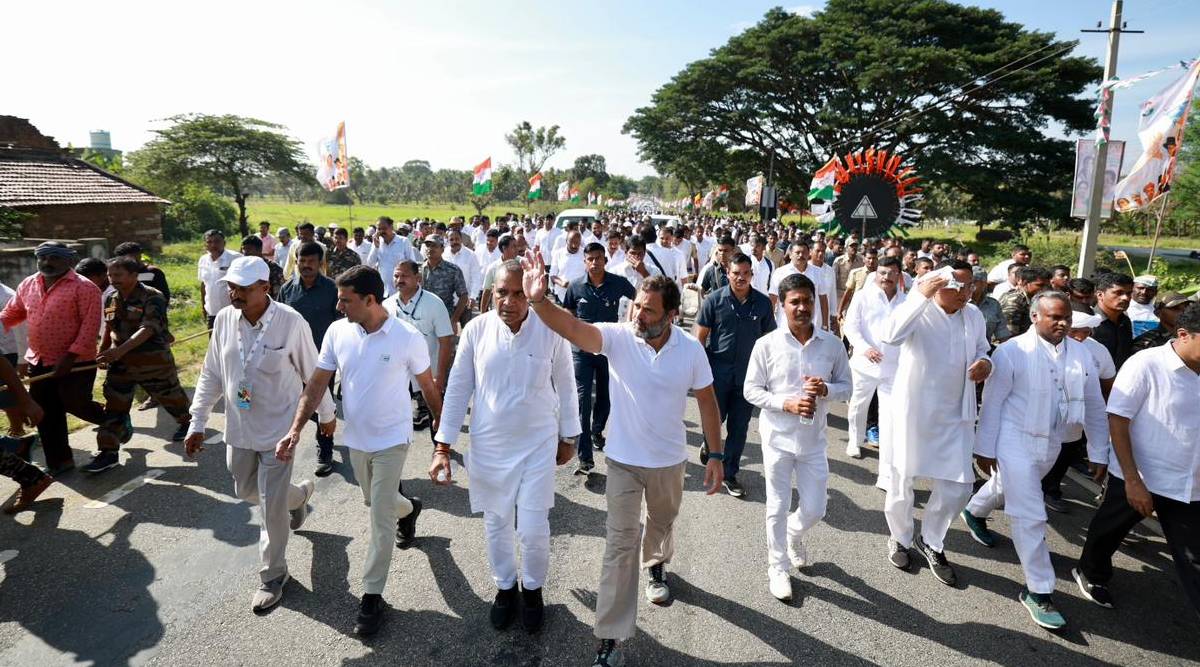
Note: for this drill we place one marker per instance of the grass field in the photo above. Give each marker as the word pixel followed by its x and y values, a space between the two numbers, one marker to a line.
pixel 281 213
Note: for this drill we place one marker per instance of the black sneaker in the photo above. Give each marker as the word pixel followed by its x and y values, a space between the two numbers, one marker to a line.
pixel 1097 593
pixel 704 454
pixel 324 467
pixel 504 607
pixel 128 426
pixel 937 562
pixel 1057 505
pixel 734 489
pixel 370 615
pixel 406 528
pixel 606 654
pixel 898 555
pixel 533 610
pixel 103 461
pixel 598 442
pixel 657 590
pixel 180 433
pixel 585 468
pixel 422 420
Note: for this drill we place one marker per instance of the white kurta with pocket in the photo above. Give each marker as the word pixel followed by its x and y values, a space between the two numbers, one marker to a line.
pixel 933 402
pixel 521 389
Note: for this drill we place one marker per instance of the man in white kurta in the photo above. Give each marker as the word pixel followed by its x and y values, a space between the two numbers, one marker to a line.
pixel 873 363
pixel 793 374
pixel 943 353
pixel 519 380
pixel 1042 383
pixel 798 253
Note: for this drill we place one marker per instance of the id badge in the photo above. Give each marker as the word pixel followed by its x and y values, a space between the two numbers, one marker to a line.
pixel 244 395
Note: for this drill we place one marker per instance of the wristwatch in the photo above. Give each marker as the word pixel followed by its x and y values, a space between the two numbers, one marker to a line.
pixel 716 456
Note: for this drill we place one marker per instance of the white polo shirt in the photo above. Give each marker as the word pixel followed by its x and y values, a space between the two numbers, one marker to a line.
pixel 376 369
pixel 649 393
pixel 428 315
pixel 1158 393
pixel 385 256
pixel 210 272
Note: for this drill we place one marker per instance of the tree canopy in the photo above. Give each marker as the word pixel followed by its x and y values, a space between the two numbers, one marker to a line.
pixel 533 146
pixel 855 75
pixel 228 153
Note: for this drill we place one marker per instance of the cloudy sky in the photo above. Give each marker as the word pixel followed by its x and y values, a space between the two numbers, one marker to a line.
pixel 440 81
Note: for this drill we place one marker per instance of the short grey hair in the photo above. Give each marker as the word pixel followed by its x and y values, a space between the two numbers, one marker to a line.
pixel 504 268
pixel 1053 295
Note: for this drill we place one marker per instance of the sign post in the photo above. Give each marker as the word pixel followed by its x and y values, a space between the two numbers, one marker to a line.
pixel 863 212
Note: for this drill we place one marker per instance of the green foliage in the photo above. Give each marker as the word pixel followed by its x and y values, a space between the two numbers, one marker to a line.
pixel 196 209
pixel 851 77
pixel 593 167
pixel 113 164
pixel 12 223
pixel 533 146
pixel 226 153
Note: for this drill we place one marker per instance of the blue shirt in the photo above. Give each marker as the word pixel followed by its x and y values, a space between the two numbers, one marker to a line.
pixel 597 304
pixel 734 326
pixel 318 304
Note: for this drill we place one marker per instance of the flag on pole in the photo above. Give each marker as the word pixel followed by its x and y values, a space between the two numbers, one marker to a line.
pixel 563 190
pixel 591 198
pixel 574 195
pixel 723 193
pixel 708 199
pixel 482 183
pixel 823 182
pixel 535 186
pixel 1160 131
pixel 599 200
pixel 333 161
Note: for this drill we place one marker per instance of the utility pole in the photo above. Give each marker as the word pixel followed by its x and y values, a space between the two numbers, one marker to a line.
pixel 1091 227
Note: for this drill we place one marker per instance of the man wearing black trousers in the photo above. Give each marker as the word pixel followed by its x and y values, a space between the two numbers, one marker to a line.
pixel 594 298
pixel 1153 467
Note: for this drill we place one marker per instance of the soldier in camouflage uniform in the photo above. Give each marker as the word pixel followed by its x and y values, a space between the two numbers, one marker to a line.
pixel 1014 304
pixel 341 256
pixel 135 351
pixel 14 464
pixel 1168 309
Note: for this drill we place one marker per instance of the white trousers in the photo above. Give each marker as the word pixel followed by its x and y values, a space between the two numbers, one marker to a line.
pixel 808 473
pixel 1020 479
pixel 532 528
pixel 946 500
pixel 863 388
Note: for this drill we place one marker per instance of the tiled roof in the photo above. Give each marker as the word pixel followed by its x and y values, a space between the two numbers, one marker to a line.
pixel 43 179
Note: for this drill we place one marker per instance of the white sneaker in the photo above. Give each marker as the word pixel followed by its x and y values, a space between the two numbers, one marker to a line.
pixel 853 451
pixel 780 584
pixel 301 513
pixel 798 553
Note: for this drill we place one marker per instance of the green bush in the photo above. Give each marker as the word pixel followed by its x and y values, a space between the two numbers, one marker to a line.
pixel 12 223
pixel 196 210
pixel 993 235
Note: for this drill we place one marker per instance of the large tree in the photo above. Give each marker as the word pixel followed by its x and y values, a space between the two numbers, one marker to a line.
pixel 533 146
pixel 228 153
pixel 903 75
pixel 591 166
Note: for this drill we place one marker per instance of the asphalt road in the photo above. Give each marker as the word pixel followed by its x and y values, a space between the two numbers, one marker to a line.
pixel 164 575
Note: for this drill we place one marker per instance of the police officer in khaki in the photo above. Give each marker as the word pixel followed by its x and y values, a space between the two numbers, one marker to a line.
pixel 135 349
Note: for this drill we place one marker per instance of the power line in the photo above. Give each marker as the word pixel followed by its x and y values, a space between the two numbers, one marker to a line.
pixel 958 92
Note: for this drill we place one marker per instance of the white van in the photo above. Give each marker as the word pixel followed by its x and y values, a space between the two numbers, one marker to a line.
pixel 660 219
pixel 584 216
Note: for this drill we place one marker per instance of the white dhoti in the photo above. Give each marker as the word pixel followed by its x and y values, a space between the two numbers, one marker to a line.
pixel 808 473
pixel 864 386
pixel 1017 485
pixel 946 499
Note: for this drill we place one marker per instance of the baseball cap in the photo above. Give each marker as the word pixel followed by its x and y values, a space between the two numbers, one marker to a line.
pixel 245 271
pixel 435 239
pixel 979 273
pixel 1148 281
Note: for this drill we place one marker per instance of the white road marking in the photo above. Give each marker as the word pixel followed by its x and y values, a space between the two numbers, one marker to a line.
pixel 7 555
pixel 128 487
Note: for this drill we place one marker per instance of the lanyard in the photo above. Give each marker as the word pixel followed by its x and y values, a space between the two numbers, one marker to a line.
pixel 416 304
pixel 247 357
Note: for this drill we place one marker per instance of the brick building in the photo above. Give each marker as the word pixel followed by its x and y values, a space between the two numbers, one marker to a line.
pixel 70 198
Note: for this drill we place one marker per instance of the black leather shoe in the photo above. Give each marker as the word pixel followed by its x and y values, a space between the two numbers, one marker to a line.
pixel 406 528
pixel 533 611
pixel 370 615
pixel 504 607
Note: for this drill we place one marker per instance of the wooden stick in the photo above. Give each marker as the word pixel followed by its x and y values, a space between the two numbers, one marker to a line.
pixel 1157 231
pixel 88 367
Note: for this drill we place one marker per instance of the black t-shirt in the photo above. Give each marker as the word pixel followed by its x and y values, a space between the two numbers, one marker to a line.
pixel 1117 337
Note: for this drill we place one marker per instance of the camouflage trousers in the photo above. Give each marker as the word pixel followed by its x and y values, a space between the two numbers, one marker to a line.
pixel 17 469
pixel 155 373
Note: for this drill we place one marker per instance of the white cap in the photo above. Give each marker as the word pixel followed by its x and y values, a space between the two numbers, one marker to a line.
pixel 245 271
pixel 1082 320
pixel 1148 281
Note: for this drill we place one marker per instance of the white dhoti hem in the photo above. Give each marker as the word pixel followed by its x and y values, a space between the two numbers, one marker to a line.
pixel 946 499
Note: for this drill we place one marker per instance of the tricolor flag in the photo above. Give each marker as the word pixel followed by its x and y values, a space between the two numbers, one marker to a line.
pixel 722 193
pixel 535 186
pixel 574 195
pixel 708 199
pixel 563 190
pixel 823 182
pixel 591 198
pixel 482 183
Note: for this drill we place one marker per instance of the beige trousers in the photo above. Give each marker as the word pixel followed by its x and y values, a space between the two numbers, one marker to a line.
pixel 378 475
pixel 261 479
pixel 662 488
